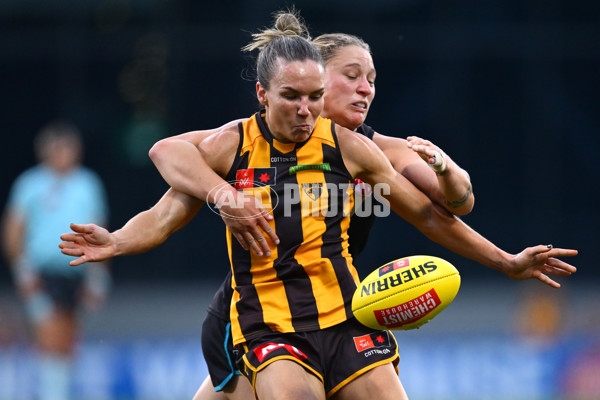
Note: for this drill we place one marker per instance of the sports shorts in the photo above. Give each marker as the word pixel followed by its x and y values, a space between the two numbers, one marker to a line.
pixel 64 291
pixel 218 350
pixel 336 355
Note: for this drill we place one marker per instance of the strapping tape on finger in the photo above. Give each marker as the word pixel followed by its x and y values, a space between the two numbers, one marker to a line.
pixel 439 164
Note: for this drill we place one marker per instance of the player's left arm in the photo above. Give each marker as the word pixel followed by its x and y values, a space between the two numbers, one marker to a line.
pixel 145 231
pixel 418 159
pixel 365 161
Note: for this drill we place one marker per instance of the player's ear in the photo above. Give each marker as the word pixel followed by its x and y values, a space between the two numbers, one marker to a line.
pixel 261 94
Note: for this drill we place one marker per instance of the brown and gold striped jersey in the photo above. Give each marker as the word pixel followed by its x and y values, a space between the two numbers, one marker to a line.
pixel 308 281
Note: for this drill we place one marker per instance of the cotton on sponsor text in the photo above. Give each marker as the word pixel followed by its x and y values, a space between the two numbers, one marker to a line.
pixel 377 351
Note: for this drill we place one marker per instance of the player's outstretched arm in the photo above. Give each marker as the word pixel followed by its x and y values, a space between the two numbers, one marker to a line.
pixel 535 262
pixel 538 261
pixel 146 230
pixel 431 170
pixel 366 162
pixel 88 242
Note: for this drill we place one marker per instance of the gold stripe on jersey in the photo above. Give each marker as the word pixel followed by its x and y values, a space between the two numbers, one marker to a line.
pixel 314 209
pixel 271 293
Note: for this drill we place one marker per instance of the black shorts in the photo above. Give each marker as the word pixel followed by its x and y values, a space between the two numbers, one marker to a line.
pixel 65 291
pixel 218 350
pixel 336 355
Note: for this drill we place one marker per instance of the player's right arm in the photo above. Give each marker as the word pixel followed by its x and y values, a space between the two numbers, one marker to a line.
pixel 176 157
pixel 141 233
pixel 450 188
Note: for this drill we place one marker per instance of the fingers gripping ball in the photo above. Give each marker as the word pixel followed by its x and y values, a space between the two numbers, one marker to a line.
pixel 406 293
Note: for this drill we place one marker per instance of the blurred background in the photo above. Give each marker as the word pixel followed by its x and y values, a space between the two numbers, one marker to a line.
pixel 509 89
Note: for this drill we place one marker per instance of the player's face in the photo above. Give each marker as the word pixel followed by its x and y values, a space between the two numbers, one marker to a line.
pixel 350 86
pixel 294 100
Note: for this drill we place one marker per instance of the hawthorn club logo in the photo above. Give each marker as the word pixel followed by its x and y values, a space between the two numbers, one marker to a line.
pixel 312 190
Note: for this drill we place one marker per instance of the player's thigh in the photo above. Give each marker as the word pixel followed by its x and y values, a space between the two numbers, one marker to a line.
pixel 238 388
pixel 206 391
pixel 381 383
pixel 285 379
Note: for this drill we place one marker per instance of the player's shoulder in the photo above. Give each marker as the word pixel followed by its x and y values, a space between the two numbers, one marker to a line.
pixel 225 136
pixel 232 126
pixel 352 142
pixel 359 152
pixel 220 148
pixel 366 130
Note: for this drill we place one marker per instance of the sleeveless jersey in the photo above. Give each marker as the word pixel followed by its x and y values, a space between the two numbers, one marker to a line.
pixel 358 235
pixel 308 281
pixel 361 226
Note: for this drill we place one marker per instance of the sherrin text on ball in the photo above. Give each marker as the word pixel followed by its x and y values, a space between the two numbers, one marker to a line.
pixel 405 293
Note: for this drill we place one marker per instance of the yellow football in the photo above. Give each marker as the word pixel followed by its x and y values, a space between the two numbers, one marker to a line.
pixel 405 293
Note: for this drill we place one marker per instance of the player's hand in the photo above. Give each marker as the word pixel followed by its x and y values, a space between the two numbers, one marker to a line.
pixel 430 153
pixel 537 262
pixel 87 242
pixel 249 222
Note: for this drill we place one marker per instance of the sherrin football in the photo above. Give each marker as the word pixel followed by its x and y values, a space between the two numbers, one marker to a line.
pixel 405 293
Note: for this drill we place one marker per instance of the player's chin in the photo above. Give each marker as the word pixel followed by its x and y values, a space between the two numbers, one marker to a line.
pixel 355 120
pixel 302 133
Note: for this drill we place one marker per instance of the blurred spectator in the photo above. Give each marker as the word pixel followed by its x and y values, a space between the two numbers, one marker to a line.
pixel 42 202
pixel 540 315
pixel 581 374
pixel 12 327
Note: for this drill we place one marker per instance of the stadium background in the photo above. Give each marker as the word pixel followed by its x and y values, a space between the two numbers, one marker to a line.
pixel 509 89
